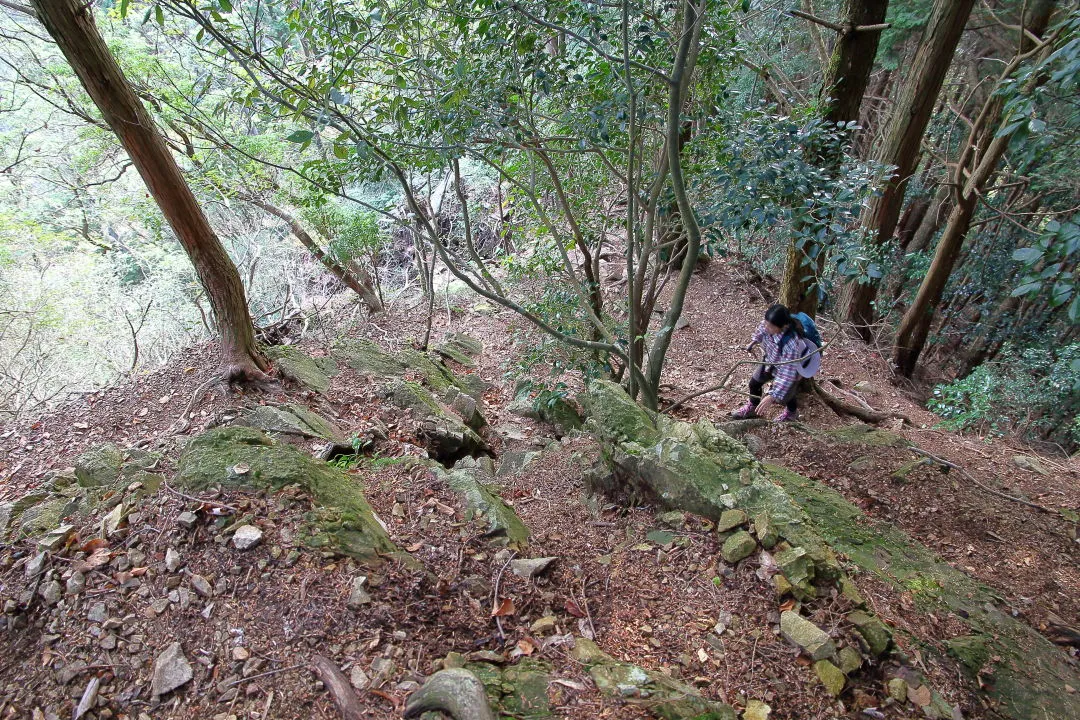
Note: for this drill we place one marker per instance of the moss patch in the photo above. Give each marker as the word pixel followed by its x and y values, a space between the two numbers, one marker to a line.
pixel 295 365
pixel 345 519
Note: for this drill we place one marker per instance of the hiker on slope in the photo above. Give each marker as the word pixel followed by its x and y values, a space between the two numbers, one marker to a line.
pixel 785 338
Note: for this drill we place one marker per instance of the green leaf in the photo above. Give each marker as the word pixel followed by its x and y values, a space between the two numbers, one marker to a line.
pixel 1074 314
pixel 301 136
pixel 1028 255
pixel 124 7
pixel 225 5
pixel 159 16
pixel 1026 289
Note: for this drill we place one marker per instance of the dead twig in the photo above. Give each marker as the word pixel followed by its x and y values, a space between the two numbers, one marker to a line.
pixel 988 489
pixel 196 499
pixel 495 605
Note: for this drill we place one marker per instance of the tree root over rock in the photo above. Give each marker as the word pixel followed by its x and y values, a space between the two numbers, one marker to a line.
pixel 456 692
pixel 845 403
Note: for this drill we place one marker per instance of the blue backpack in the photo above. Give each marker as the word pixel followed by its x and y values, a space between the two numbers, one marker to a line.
pixel 809 328
pixel 810 366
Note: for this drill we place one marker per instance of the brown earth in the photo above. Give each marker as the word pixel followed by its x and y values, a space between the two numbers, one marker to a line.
pixel 649 602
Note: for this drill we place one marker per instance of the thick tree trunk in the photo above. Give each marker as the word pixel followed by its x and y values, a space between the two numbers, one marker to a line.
pixel 904 136
pixel 361 286
pixel 71 25
pixel 842 91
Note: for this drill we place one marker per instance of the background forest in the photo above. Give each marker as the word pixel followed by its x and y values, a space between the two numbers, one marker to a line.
pixel 907 169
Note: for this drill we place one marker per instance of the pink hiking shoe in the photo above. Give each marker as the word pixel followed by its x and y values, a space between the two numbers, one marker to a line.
pixel 787 416
pixel 746 412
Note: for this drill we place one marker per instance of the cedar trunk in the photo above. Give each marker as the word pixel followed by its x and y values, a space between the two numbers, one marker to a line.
pixel 971 175
pixel 904 136
pixel 843 89
pixel 71 25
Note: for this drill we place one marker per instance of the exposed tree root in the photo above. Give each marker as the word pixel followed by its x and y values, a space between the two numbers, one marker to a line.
pixel 847 404
pixel 456 692
pixel 339 688
pixel 992 491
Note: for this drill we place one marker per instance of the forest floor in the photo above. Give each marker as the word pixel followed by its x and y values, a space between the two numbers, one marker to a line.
pixel 272 607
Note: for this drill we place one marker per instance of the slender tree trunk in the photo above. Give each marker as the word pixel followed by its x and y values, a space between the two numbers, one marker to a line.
pixel 361 286
pixel 71 25
pixel 842 90
pixel 904 136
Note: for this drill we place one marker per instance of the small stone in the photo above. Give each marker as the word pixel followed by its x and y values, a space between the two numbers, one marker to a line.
pixel 358 597
pixel 36 565
pixel 874 633
pixel 529 568
pixel 675 519
pixel 898 689
pixel 202 586
pixel 292 557
pixel 739 546
pixel 252 666
pixel 173 562
pixel 756 710
pixel 1030 464
pixel 97 613
pixel 730 519
pixel 187 520
pixel 358 678
pixel 246 537
pixel 544 625
pixel 51 592
pixel 809 637
pixel 75 584
pixel 171 670
pixel 108 642
pixel 831 677
pixel 56 538
pixel 240 654
pixel 765 529
pixel 161 605
pixel 850 660
pixel 381 669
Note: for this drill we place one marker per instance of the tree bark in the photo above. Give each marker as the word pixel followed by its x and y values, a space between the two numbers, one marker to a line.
pixel 842 90
pixel 361 286
pixel 904 136
pixel 71 25
pixel 973 171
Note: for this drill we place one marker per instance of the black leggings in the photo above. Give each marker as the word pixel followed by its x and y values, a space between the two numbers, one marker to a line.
pixel 764 375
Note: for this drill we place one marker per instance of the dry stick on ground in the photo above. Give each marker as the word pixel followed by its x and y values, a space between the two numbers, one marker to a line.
pixel 338 686
pixel 196 499
pixel 992 491
pixel 495 604
pixel 182 423
pixel 731 371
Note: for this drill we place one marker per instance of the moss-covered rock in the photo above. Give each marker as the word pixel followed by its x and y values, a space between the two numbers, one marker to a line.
pixel 314 373
pixel 874 633
pixel 614 416
pixel 461 348
pixel 292 420
pixel 99 466
pixel 481 501
pixel 367 358
pixel 739 546
pixel 445 436
pixel 654 692
pixel 245 457
pixel 971 651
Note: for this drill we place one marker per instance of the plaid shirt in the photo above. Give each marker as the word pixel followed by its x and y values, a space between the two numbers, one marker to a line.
pixel 784 376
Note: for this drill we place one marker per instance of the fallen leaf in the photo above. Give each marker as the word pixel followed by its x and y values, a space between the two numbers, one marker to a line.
pixel 414 547
pixel 572 608
pixel 241 469
pixel 573 685
pixel 788 604
pixel 920 696
pixel 93 545
pixel 526 646
pixel 506 607
pixel 138 572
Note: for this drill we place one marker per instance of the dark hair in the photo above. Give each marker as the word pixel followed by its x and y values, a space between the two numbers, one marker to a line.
pixel 781 317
